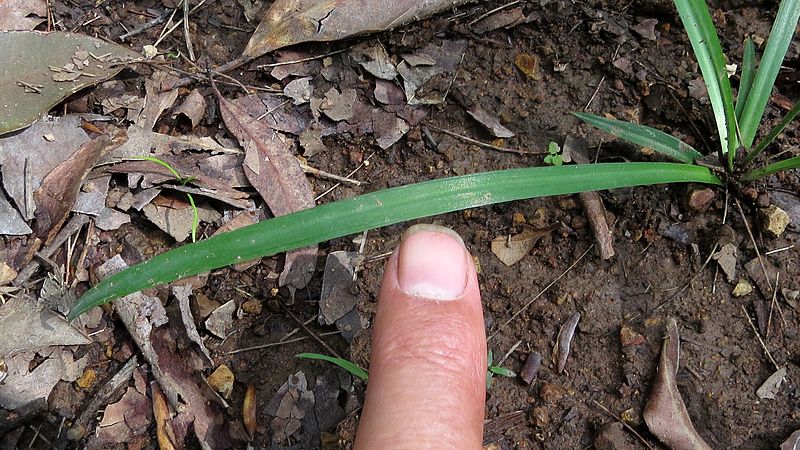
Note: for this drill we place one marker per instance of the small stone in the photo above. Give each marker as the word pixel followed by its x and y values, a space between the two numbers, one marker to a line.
pixel 699 199
pixel 529 65
pixel 628 337
pixel 7 273
pixel 773 220
pixel 763 200
pixel 743 287
pixel 518 219
pixel 540 417
pixel 252 307
pixel 551 393
pixel 87 379
pixel 632 417
pixel 221 380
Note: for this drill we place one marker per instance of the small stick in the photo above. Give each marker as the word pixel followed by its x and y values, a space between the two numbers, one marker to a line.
pixel 275 344
pixel 572 266
pixel 753 240
pixel 628 427
pixel 296 61
pixel 322 174
pixel 186 33
pixel 763 345
pixel 778 250
pixel 146 26
pixel 331 189
pixel 591 99
pixel 310 333
pixel 484 144
pixel 489 13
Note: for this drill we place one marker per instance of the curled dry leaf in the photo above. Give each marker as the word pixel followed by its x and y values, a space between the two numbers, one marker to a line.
pixel 665 414
pixel 164 433
pixel 289 22
pixel 249 411
pixel 276 174
pixel 564 341
pixel 511 249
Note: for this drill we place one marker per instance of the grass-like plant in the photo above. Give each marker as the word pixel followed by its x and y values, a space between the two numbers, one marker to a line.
pixel 349 366
pixel 737 122
pixel 183 181
pixel 493 370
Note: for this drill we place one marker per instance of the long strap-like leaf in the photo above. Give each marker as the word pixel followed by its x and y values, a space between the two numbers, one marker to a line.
pixel 379 209
pixel 705 43
pixel 778 43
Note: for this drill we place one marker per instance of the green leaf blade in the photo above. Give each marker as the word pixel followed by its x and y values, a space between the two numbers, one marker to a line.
pixel 708 51
pixel 746 81
pixel 379 209
pixel 502 371
pixel 779 39
pixel 786 164
pixel 776 130
pixel 644 136
pixel 343 363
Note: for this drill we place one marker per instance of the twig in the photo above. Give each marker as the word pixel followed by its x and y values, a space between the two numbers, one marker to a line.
pixel 628 427
pixel 591 99
pixel 508 353
pixel 778 250
pixel 484 144
pixel 572 266
pixel 331 189
pixel 489 13
pixel 275 344
pixel 146 26
pixel 186 33
pixel 763 345
pixel 179 23
pixel 322 174
pixel 309 332
pixel 775 305
pixel 296 61
pixel 452 80
pixel 753 240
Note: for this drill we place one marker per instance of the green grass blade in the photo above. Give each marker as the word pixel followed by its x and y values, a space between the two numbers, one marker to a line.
pixel 786 164
pixel 778 43
pixel 502 371
pixel 705 43
pixel 161 162
pixel 379 209
pixel 659 141
pixel 343 363
pixel 790 116
pixel 748 73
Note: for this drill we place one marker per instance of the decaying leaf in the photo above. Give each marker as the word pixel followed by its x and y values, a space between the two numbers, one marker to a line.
pixel 126 420
pixel 290 22
pixel 726 258
pixel 27 326
pixel 665 414
pixel 793 442
pixel 491 123
pixel 249 411
pixel 24 385
pixel 564 341
pixel 15 14
pixel 276 174
pixel 31 86
pixel 11 222
pixel 182 293
pixel 291 407
pixel 511 249
pixel 193 107
pixel 220 321
pixel 164 434
pixel 772 385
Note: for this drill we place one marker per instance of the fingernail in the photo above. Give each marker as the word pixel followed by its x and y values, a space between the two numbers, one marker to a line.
pixel 432 263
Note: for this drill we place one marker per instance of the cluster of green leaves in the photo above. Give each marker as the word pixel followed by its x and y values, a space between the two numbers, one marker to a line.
pixel 553 156
pixel 493 370
pixel 737 122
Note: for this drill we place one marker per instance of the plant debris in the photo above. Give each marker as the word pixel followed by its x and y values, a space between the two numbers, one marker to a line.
pixel 564 340
pixel 665 414
pixel 769 389
pixel 511 249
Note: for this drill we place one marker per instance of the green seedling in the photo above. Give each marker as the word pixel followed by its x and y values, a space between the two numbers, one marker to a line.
pixel 183 181
pixel 553 157
pixel 737 123
pixel 493 370
pixel 343 363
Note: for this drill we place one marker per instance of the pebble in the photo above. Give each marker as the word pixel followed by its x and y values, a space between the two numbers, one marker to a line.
pixel 773 220
pixel 551 393
pixel 743 287
pixel 221 380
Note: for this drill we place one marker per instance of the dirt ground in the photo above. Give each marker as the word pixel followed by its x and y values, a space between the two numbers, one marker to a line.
pixel 593 56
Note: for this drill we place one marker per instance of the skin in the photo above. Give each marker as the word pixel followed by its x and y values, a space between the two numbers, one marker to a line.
pixel 428 366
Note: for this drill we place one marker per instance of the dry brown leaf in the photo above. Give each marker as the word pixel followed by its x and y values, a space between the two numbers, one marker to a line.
pixel 249 411
pixel 276 174
pixel 193 107
pixel 15 14
pixel 665 414
pixel 164 434
pixel 510 250
pixel 290 22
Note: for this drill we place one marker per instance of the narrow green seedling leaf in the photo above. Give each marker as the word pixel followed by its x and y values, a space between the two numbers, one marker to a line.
pixel 343 363
pixel 502 371
pixel 705 43
pixel 779 39
pixel 163 163
pixel 183 181
pixel 379 209
pixel 786 164
pixel 776 130
pixel 660 142
pixel 195 217
pixel 746 80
